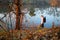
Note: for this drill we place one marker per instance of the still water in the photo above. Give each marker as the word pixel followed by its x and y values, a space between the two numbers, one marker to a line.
pixel 51 14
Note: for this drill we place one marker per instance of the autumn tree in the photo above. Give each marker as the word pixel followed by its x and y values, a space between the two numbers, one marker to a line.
pixel 19 14
pixel 53 3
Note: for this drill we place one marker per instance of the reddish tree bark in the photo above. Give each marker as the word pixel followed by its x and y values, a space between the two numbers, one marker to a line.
pixel 18 4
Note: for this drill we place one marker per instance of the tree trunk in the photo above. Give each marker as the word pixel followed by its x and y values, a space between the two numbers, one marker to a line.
pixel 18 14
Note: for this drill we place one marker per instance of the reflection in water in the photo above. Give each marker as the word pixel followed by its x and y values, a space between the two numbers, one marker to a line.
pixel 50 13
pixel 51 16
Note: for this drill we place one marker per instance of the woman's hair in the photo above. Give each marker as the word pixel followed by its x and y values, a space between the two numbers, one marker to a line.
pixel 42 16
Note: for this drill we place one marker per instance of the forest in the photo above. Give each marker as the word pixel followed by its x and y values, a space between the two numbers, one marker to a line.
pixel 21 20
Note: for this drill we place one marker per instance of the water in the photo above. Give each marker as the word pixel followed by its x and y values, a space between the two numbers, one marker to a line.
pixel 50 13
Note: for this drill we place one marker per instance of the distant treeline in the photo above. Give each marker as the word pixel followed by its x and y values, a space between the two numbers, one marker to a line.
pixel 38 4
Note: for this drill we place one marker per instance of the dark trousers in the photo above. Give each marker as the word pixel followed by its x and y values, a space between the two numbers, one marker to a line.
pixel 42 25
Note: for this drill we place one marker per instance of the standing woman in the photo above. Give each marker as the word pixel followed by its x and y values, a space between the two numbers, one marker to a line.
pixel 43 20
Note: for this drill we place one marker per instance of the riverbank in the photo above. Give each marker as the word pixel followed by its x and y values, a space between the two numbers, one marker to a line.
pixel 51 33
